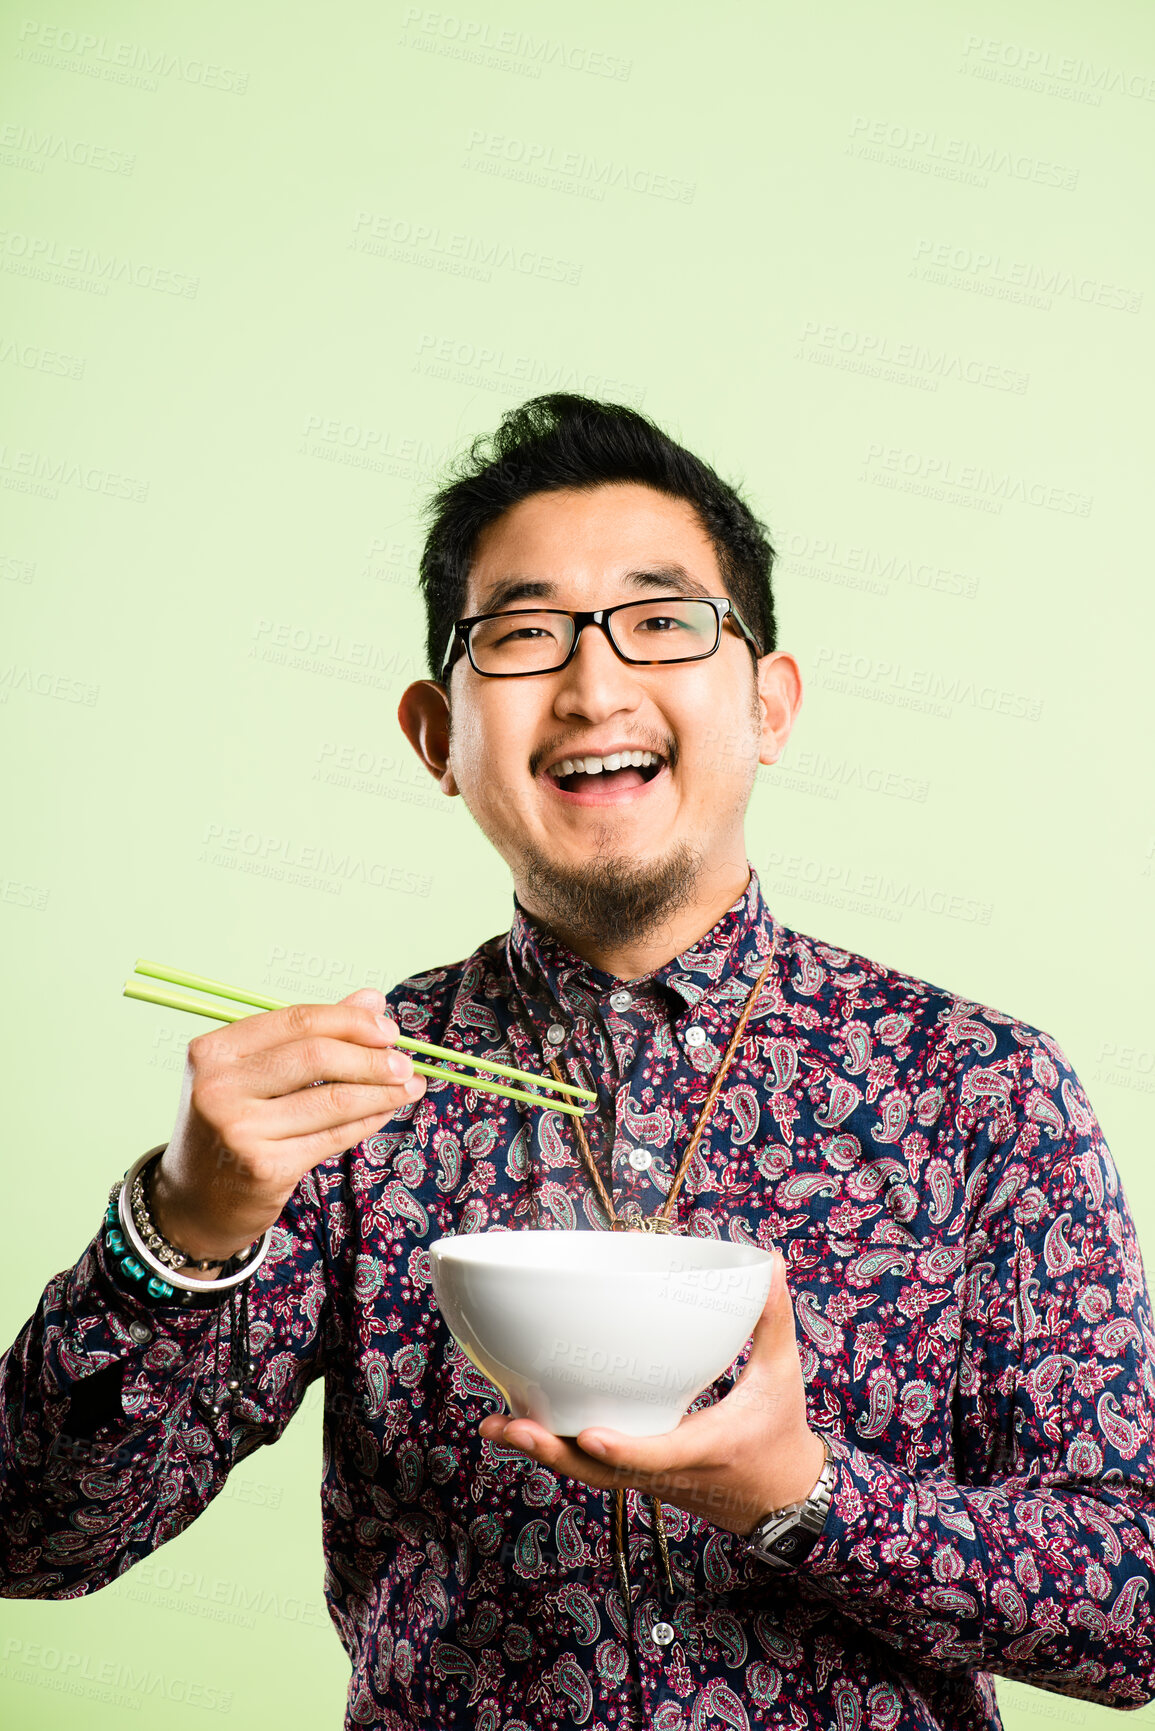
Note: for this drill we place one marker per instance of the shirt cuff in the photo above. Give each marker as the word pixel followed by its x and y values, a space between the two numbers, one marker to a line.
pixel 866 1539
pixel 103 1323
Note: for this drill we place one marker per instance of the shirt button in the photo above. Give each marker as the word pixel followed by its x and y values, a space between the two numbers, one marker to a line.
pixel 640 1159
pixel 620 1000
pixel 140 1332
pixel 695 1036
pixel 555 1034
pixel 663 1634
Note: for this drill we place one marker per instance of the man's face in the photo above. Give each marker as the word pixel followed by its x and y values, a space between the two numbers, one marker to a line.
pixel 704 722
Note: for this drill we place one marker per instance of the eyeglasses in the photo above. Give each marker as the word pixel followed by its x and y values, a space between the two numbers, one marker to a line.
pixel 641 633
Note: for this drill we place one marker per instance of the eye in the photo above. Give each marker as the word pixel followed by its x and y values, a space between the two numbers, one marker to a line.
pixel 521 634
pixel 659 622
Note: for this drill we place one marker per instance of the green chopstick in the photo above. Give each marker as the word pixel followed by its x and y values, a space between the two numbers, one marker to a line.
pixel 135 988
pixel 217 988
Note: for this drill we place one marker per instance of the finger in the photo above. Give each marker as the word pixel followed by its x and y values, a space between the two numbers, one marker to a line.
pixel 273 1152
pixel 308 1151
pixel 656 1476
pixel 284 1070
pixel 333 1104
pixel 365 1022
pixel 560 1454
pixel 697 1444
pixel 685 1448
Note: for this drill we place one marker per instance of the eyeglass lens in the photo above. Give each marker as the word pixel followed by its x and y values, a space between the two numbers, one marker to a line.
pixel 644 631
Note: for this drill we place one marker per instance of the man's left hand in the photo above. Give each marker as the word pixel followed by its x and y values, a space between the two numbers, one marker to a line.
pixel 730 1463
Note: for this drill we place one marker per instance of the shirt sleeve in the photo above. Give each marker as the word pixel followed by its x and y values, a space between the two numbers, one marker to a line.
pixel 1034 1559
pixel 104 1451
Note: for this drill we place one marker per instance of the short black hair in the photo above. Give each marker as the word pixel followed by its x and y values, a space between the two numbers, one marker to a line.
pixel 563 440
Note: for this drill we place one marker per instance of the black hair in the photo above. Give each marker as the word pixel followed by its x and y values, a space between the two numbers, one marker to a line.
pixel 563 440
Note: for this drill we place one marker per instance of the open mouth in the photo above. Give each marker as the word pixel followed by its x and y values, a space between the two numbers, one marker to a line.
pixel 618 769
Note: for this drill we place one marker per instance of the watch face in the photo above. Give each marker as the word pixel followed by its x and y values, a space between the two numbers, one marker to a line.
pixel 790 1544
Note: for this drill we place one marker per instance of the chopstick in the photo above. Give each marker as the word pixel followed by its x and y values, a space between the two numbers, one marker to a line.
pixel 136 988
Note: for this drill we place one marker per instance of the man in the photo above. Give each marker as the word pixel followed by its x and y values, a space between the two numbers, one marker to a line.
pixel 953 1374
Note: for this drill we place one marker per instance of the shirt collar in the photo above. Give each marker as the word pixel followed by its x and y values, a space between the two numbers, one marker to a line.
pixel 547 972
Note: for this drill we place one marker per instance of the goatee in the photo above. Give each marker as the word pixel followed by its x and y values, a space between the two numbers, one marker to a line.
pixel 613 899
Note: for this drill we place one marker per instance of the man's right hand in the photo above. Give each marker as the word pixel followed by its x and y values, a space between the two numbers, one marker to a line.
pixel 250 1123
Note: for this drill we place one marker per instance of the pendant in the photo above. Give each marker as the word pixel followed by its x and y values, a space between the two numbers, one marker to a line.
pixel 646 1223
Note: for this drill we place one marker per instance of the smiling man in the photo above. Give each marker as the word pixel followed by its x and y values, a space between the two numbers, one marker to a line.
pixel 933 1461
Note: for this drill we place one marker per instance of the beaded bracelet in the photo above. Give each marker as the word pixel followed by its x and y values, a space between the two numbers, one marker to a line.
pixel 146 1286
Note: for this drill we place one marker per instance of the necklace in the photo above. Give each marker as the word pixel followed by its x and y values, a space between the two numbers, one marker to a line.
pixel 662 1221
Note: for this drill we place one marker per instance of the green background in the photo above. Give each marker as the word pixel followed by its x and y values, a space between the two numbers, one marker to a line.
pixel 888 268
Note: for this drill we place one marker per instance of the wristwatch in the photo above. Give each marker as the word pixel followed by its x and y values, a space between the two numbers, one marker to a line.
pixel 785 1536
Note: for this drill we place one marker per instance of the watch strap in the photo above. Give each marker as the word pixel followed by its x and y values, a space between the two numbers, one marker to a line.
pixel 786 1536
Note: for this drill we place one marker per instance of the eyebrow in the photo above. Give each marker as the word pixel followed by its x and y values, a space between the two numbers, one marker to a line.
pixel 651 577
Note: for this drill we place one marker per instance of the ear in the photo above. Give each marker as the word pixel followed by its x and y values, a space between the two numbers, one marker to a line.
pixel 424 716
pixel 780 698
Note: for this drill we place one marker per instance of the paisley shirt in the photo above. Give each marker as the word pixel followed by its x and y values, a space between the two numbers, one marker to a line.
pixel 973 1322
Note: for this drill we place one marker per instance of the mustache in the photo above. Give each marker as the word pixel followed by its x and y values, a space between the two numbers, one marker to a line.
pixel 662 745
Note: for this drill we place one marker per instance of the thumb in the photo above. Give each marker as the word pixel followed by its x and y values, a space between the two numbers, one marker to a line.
pixel 774 1340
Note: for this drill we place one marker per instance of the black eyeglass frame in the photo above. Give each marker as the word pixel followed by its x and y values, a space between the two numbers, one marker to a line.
pixel 723 607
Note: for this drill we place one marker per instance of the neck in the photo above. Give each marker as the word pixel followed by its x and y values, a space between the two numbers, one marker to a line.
pixel 716 893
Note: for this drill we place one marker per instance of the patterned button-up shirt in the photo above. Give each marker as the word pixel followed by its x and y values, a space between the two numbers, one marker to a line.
pixel 973 1324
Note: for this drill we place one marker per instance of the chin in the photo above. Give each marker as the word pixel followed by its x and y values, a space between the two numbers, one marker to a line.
pixel 610 894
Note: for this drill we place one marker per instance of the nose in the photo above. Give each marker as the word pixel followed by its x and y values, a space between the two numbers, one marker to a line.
pixel 597 683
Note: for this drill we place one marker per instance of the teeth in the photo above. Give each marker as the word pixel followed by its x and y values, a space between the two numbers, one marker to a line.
pixel 614 760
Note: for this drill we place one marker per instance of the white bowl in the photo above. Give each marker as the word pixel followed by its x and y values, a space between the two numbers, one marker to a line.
pixel 621 1329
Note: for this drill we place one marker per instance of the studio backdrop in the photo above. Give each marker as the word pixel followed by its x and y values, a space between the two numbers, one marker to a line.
pixel 265 270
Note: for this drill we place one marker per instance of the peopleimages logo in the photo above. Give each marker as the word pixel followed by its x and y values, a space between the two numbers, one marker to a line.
pixel 312 865
pixel 428 245
pixel 1018 280
pixel 131 63
pixel 857 889
pixel 115 1682
pixel 37 472
pixel 22 146
pixel 491 368
pixel 1035 68
pixel 50 260
pixel 901 361
pixel 996 487
pixel 927 689
pixel 543 164
pixel 35 359
pixel 828 560
pixel 931 152
pixel 504 50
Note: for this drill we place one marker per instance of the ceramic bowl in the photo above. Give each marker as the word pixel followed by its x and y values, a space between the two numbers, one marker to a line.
pixel 621 1329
